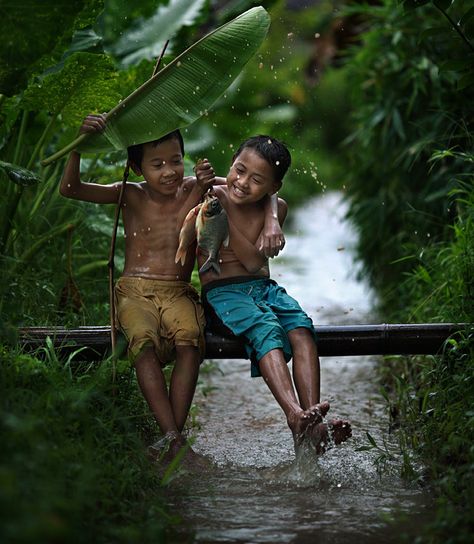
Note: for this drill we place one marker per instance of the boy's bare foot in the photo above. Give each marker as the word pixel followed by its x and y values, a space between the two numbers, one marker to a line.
pixel 325 435
pixel 169 446
pixel 302 422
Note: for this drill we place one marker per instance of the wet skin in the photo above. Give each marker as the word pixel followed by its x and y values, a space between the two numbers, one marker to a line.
pixel 153 210
pixel 249 181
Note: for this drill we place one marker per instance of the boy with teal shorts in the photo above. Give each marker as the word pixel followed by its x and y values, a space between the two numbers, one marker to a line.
pixel 244 300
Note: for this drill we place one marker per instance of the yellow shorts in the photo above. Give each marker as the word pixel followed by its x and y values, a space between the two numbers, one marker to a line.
pixel 159 313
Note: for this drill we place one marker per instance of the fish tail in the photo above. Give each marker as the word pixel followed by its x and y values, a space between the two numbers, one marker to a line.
pixel 208 265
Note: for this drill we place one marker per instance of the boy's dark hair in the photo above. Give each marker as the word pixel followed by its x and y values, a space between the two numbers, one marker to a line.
pixel 272 150
pixel 135 152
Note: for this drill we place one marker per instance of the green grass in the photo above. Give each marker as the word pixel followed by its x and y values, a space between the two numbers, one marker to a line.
pixel 73 465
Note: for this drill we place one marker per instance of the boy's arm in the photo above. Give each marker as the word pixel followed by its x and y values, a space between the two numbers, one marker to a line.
pixel 271 240
pixel 71 185
pixel 246 252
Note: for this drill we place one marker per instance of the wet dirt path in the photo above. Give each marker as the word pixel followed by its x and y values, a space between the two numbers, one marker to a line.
pixel 256 491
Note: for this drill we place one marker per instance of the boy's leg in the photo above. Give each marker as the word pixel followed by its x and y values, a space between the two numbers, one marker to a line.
pixel 183 382
pixel 152 383
pixel 306 369
pixel 275 372
pixel 306 372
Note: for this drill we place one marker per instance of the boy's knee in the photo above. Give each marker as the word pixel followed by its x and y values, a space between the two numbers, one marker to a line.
pixel 301 333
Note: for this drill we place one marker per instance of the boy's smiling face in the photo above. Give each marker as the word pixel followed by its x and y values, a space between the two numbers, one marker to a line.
pixel 250 178
pixel 162 166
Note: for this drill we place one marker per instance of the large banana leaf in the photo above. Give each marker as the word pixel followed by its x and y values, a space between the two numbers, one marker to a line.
pixel 182 91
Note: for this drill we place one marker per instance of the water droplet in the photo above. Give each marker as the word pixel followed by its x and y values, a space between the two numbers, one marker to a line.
pixel 317 35
pixel 277 163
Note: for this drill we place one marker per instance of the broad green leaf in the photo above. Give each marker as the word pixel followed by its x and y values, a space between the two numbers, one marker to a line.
pixel 30 30
pixel 181 92
pixel 87 82
pixel 19 175
pixel 119 15
pixel 147 40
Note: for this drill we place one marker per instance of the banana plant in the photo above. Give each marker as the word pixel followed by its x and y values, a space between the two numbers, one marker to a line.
pixel 182 91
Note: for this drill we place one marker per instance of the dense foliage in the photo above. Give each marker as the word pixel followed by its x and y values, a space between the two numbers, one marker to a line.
pixel 51 271
pixel 412 198
pixel 407 165
pixel 72 463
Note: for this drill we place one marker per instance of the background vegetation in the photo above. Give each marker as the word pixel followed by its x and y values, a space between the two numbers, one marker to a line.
pixel 411 194
pixel 373 98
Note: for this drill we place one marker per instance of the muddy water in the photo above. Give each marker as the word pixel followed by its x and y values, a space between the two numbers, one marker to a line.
pixel 256 491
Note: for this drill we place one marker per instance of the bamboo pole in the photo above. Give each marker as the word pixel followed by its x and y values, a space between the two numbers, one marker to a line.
pixel 333 341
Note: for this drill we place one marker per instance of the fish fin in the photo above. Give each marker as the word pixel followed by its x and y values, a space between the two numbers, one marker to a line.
pixel 208 265
pixel 187 234
pixel 181 255
pixel 226 241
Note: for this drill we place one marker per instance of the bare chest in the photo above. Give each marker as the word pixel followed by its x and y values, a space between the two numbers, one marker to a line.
pixel 147 220
pixel 249 223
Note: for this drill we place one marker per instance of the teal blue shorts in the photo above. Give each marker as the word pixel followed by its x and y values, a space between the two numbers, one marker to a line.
pixel 259 310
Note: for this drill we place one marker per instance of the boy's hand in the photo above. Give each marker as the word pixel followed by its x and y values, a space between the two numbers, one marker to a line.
pixel 271 240
pixel 93 123
pixel 205 175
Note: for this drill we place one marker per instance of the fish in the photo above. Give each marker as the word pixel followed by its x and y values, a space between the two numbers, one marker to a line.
pixel 212 230
pixel 187 234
